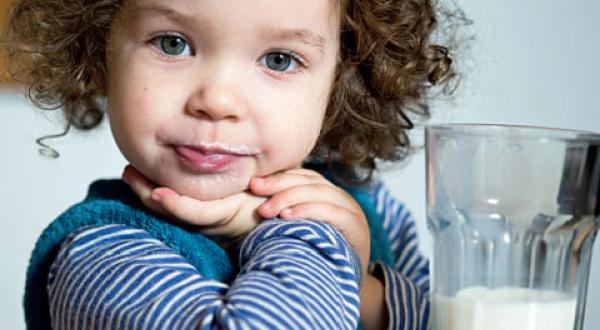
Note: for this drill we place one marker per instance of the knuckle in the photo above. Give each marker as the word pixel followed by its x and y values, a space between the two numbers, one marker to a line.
pixel 322 187
pixel 302 171
pixel 275 180
pixel 278 201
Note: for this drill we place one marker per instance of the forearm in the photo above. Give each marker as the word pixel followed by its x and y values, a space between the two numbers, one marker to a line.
pixel 287 272
pixel 373 311
pixel 392 301
pixel 311 266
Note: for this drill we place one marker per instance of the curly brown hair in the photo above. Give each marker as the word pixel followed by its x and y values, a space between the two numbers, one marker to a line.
pixel 386 67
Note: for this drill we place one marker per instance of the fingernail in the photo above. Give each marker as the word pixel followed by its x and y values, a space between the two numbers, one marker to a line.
pixel 155 196
pixel 126 177
pixel 286 212
pixel 259 181
pixel 266 206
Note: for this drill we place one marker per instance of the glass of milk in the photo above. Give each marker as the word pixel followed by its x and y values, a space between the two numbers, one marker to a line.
pixel 514 211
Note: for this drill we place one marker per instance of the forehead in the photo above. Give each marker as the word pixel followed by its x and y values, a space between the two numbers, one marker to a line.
pixel 315 13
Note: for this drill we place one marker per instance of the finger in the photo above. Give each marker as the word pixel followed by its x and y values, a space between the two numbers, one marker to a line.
pixel 303 171
pixel 142 187
pixel 230 230
pixel 246 219
pixel 323 193
pixel 334 215
pixel 137 181
pixel 272 184
pixel 347 222
pixel 196 212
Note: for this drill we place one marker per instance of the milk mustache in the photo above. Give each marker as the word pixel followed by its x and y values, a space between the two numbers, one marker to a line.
pixel 479 308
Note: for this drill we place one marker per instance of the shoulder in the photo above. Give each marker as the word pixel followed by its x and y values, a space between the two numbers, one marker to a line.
pixel 93 257
pixel 106 270
pixel 91 253
pixel 108 247
pixel 90 238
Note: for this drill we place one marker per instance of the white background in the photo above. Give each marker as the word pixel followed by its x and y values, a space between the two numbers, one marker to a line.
pixel 532 62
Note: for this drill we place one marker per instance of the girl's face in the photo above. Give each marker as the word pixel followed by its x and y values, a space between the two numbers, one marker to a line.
pixel 204 94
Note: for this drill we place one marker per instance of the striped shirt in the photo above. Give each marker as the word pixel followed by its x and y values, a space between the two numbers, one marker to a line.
pixel 407 283
pixel 293 275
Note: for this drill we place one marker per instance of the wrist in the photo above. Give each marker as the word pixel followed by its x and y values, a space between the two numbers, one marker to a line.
pixel 373 311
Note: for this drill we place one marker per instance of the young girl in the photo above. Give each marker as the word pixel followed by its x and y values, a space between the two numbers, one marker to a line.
pixel 242 121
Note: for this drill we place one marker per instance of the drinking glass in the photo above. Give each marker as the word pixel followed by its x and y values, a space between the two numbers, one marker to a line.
pixel 513 211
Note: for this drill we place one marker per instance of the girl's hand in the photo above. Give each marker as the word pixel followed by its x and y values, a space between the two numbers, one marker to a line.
pixel 297 193
pixel 305 194
pixel 228 218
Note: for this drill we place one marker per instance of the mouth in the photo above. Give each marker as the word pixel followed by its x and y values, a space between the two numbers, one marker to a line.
pixel 212 158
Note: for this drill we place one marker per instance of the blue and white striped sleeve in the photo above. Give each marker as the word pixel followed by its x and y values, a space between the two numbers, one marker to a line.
pixel 294 275
pixel 407 283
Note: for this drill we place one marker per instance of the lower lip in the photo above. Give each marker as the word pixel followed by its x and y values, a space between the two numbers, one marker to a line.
pixel 206 162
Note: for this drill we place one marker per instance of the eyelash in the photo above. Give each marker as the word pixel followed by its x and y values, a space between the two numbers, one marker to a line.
pixel 297 58
pixel 155 40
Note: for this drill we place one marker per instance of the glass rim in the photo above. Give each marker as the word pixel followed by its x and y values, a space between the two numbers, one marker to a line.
pixel 522 131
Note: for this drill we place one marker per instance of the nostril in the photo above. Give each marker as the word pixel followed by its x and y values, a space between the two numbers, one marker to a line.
pixel 201 114
pixel 209 115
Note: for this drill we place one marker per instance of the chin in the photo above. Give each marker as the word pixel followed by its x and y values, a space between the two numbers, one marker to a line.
pixel 208 188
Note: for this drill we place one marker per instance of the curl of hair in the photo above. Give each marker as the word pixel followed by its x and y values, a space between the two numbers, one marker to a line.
pixel 386 65
pixel 56 49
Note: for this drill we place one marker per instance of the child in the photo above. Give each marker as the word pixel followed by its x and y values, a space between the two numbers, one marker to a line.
pixel 218 105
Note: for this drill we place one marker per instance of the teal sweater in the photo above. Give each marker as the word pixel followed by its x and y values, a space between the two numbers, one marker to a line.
pixel 112 202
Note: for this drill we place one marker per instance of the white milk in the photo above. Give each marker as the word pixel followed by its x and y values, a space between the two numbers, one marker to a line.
pixel 478 308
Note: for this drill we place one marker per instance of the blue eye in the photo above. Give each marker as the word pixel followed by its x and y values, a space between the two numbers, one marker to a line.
pixel 280 61
pixel 172 45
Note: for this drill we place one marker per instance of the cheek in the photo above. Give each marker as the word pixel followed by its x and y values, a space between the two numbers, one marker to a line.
pixel 293 135
pixel 310 116
pixel 125 119
pixel 140 93
pixel 139 108
pixel 132 122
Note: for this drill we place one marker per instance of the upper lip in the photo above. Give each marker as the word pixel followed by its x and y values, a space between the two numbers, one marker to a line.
pixel 209 148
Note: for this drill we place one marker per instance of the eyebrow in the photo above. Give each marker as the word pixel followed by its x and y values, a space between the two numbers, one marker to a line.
pixel 307 37
pixel 162 10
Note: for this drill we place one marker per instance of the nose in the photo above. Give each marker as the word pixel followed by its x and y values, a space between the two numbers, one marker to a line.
pixel 216 96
